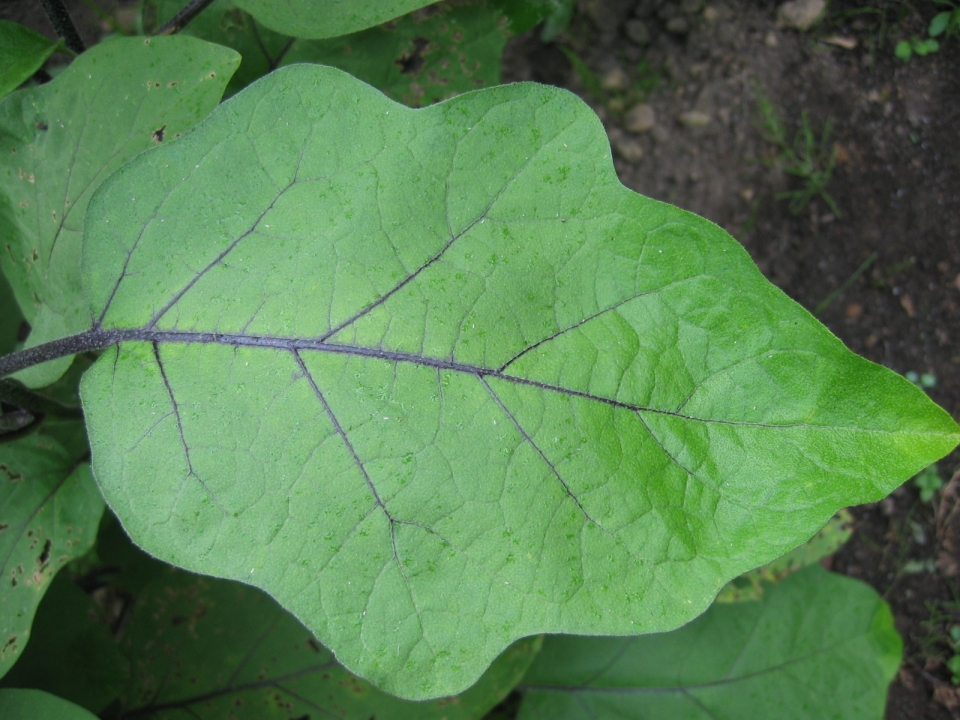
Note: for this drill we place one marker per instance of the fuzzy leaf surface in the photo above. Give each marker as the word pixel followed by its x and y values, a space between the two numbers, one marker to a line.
pixel 435 380
pixel 203 647
pixel 818 645
pixel 326 18
pixel 22 52
pixel 49 511
pixel 58 142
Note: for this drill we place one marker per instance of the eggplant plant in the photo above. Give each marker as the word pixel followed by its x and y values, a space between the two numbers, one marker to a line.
pixel 338 407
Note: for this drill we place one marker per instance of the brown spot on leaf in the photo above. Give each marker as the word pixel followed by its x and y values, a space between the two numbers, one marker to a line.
pixel 411 61
pixel 12 475
pixel 157 134
pixel 10 646
pixel 40 125
pixel 45 555
pixel 313 645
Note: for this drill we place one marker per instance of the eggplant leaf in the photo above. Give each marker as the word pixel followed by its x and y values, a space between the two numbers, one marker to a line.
pixel 326 18
pixel 49 512
pixel 735 661
pixel 210 648
pixel 418 59
pixel 22 52
pixel 71 652
pixel 435 380
pixel 133 94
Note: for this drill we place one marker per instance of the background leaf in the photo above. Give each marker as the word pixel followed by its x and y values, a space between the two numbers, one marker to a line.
pixel 22 53
pixel 326 18
pixel 59 140
pixel 211 648
pixel 49 510
pixel 827 541
pixel 818 645
pixel 448 383
pixel 418 59
pixel 37 705
pixel 71 653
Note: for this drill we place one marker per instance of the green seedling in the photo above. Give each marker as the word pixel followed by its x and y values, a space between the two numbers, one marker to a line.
pixel 943 25
pixel 805 157
pixel 946 23
pixel 906 49
pixel 928 481
pixel 953 664
pixel 926 380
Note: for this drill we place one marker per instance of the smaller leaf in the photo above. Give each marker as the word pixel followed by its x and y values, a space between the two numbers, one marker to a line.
pixel 818 645
pixel 22 53
pixel 827 541
pixel 938 24
pixel 419 59
pixel 71 652
pixel 212 648
pixel 49 511
pixel 326 18
pixel 38 705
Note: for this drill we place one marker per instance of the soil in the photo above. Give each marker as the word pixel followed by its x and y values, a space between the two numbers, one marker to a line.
pixel 705 71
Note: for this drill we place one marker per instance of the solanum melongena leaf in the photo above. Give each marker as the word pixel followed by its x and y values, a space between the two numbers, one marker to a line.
pixel 435 380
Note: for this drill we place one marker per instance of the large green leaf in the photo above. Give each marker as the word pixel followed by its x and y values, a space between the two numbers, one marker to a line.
pixel 209 648
pixel 38 705
pixel 71 653
pixel 828 540
pixel 326 18
pixel 419 59
pixel 818 645
pixel 57 143
pixel 436 380
pixel 49 510
pixel 22 53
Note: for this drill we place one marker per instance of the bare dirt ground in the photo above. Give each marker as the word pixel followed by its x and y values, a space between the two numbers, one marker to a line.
pixel 879 260
pixel 705 143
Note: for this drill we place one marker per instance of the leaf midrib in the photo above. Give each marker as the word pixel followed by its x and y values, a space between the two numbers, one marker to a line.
pixel 294 345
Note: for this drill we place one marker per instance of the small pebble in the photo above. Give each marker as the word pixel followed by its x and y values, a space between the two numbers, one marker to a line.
pixel 694 119
pixel 615 79
pixel 641 118
pixel 800 14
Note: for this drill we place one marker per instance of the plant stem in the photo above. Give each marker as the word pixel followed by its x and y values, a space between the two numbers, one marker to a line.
pixel 63 24
pixel 187 13
pixel 82 342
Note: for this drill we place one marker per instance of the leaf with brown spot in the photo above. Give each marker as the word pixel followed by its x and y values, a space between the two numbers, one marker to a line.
pixel 51 508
